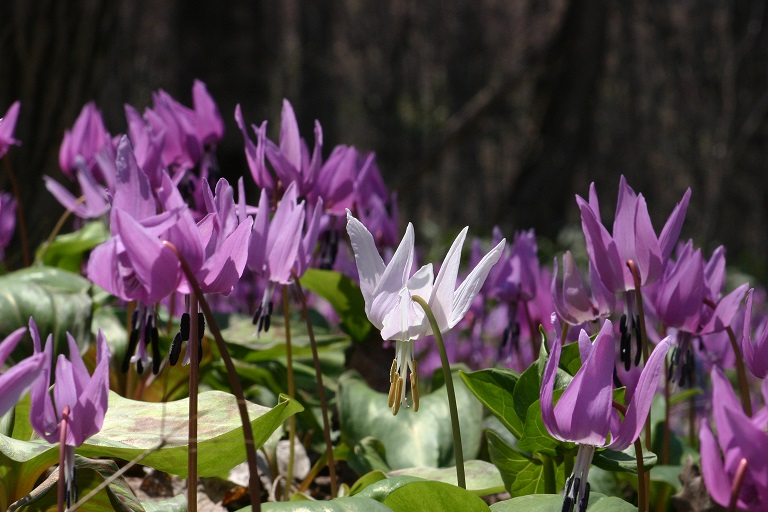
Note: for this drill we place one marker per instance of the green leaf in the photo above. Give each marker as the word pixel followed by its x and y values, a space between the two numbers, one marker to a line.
pixel 436 496
pixel 346 504
pixel 67 251
pixel 526 391
pixel 366 480
pixel 536 438
pixel 381 489
pixel 495 388
pixel 368 455
pixel 58 300
pixel 483 478
pixel 344 296
pixel 90 474
pixel 570 358
pixel 625 460
pixel 159 430
pixel 521 474
pixel 554 503
pixel 669 475
pixel 411 439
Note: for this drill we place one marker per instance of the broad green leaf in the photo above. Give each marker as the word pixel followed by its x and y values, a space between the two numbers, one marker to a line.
pixel 669 475
pixel 434 496
pixel 159 431
pixel 90 474
pixel 366 480
pixel 176 504
pixel 346 504
pixel 625 460
pixel 344 296
pixel 570 358
pixel 380 489
pixel 67 251
pixel 368 455
pixel 536 438
pixel 411 438
pixel 521 474
pixel 554 503
pixel 495 387
pixel 58 300
pixel 684 395
pixel 483 478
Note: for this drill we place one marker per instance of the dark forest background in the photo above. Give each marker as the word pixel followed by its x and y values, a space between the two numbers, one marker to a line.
pixel 481 112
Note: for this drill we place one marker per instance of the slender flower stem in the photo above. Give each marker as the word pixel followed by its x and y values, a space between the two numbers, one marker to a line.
pixel 194 375
pixel 55 231
pixel 19 212
pixel 291 393
pixel 563 335
pixel 455 428
pixel 644 343
pixel 642 476
pixel 667 436
pixel 738 481
pixel 254 484
pixel 320 388
pixel 61 496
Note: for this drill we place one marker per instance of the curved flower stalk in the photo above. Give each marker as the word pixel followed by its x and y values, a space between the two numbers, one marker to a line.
pixel 16 380
pixel 584 412
pixel 76 410
pixel 741 439
pixel 388 290
pixel 7 126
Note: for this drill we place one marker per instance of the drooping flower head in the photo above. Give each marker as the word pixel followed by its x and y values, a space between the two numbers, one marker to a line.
pixel 584 412
pixel 388 290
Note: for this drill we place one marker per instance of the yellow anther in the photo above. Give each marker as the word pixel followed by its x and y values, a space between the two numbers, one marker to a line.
pixel 398 394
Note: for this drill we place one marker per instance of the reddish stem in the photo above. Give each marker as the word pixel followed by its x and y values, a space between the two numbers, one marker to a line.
pixel 61 496
pixel 738 481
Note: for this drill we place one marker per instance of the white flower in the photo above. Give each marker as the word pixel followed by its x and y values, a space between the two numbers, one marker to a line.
pixel 388 291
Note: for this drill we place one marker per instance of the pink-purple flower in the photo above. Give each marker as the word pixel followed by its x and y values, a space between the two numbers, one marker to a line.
pixel 7 126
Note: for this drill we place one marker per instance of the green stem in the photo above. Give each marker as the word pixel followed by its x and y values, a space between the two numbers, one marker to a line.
pixel 642 477
pixel 194 371
pixel 741 374
pixel 456 430
pixel 644 342
pixel 291 393
pixel 548 470
pixel 254 484
pixel 320 388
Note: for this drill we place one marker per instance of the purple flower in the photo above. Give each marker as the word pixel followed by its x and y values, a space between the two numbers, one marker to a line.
pixel 7 126
pixel 16 380
pixel 738 438
pixel 85 140
pixel 84 397
pixel 7 221
pixel 574 302
pixel 584 412
pixel 282 246
pixel 95 202
pixel 755 349
pixel 633 238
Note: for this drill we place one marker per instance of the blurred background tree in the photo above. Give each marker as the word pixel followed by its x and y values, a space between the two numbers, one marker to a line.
pixel 481 112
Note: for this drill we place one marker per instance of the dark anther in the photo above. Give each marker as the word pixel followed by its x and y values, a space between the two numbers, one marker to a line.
pixel 155 341
pixel 584 500
pixel 638 341
pixel 616 380
pixel 257 317
pixel 139 367
pixel 576 488
pixel 672 363
pixel 567 504
pixel 133 341
pixel 625 350
pixel 184 327
pixel 329 249
pixel 173 355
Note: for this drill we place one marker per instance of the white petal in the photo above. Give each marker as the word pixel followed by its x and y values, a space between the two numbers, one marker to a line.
pixel 370 266
pixel 472 284
pixel 396 274
pixel 420 283
pixel 441 300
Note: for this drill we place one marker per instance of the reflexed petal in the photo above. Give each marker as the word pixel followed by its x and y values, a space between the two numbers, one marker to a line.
pixel 717 482
pixel 420 283
pixel 42 415
pixel 133 193
pixel 370 266
pixel 583 412
pixel 469 288
pixel 10 342
pixel 441 300
pixel 223 269
pixel 395 275
pixel 671 231
pixel 726 309
pixel 646 245
pixel 640 404
pixel 602 250
pixel 546 393
pixel 18 379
